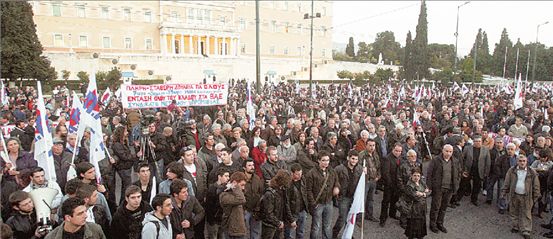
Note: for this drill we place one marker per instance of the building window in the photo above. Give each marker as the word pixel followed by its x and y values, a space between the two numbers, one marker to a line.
pixel 106 42
pixel 324 53
pixel 199 17
pixel 222 21
pixel 127 14
pixel 285 51
pixel 300 52
pixel 243 49
pixel 273 26
pixel 272 50
pixel 149 44
pixel 81 11
pixel 300 29
pixel 105 12
pixel 128 43
pixel 58 39
pixel 286 27
pixel 190 15
pixel 286 5
pixel 83 41
pixel 148 16
pixel 174 16
pixel 207 16
pixel 56 9
pixel 323 31
pixel 299 6
pixel 242 24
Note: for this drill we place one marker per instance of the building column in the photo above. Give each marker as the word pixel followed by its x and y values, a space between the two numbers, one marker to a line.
pixel 173 43
pixel 235 46
pixel 190 45
pixel 238 47
pixel 199 45
pixel 216 46
pixel 163 44
pixel 207 45
pixel 224 46
pixel 181 48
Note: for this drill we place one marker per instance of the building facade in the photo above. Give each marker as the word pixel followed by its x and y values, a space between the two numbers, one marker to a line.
pixel 183 40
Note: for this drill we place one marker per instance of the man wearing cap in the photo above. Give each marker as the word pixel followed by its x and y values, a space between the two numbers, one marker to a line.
pixel 285 151
pixel 62 161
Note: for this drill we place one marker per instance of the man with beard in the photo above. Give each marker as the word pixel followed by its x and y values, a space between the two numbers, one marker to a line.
pixel 187 212
pixel 370 159
pixel 252 192
pixel 127 220
pixel 348 175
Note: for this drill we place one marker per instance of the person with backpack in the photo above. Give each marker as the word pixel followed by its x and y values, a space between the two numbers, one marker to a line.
pixel 274 206
pixel 156 224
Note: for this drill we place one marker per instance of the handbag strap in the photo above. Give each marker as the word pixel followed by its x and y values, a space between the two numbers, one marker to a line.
pixel 322 188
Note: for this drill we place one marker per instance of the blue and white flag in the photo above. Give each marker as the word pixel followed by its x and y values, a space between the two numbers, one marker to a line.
pixel 90 118
pixel 75 114
pixel 43 139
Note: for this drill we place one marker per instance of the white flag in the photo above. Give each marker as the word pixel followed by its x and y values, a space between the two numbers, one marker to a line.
pixel 153 191
pixel 358 206
pixel 249 107
pixel 43 139
pixel 465 90
pixel 518 95
pixel 3 94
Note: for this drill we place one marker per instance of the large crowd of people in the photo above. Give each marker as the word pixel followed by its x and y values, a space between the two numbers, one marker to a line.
pixel 223 172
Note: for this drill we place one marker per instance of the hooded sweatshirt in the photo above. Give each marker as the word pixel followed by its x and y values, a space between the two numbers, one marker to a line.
pixel 149 229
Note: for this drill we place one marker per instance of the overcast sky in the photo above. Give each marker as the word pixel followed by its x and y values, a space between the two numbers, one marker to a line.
pixel 364 19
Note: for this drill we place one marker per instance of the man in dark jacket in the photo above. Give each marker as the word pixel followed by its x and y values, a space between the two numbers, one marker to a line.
pixel 275 207
pixel 23 220
pixel 213 210
pixel 497 151
pixel 254 190
pixel 187 212
pixel 321 185
pixel 502 165
pixel 476 167
pixel 272 165
pixel 127 220
pixel 348 176
pixel 388 170
pixel 442 179
pixel 89 195
pixel 404 175
pixel 297 199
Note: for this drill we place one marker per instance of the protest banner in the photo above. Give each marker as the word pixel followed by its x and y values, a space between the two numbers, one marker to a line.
pixel 160 96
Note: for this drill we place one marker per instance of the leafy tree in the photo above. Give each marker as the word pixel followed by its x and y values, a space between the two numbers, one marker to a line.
pixel 363 52
pixel 498 57
pixel 420 44
pixel 386 44
pixel 339 56
pixel 408 67
pixel 100 76
pixel 65 74
pixel 21 50
pixel 113 77
pixel 382 75
pixel 350 48
pixel 83 76
pixel 444 76
pixel 522 59
pixel 467 70
pixel 345 74
pixel 441 55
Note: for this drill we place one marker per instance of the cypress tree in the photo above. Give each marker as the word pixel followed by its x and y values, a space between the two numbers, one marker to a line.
pixel 408 68
pixel 21 49
pixel 420 46
pixel 350 48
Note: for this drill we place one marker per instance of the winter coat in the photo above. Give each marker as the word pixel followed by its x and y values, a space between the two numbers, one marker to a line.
pixel 190 210
pixel 149 229
pixel 126 157
pixel 232 202
pixel 125 225
pixel 275 207
pixel 91 231
pixel 531 184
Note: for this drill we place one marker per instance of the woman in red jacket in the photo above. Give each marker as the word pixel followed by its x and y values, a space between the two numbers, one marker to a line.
pixel 259 156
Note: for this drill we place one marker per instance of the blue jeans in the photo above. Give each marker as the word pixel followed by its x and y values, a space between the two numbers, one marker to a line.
pixel 344 203
pixel 370 187
pixel 321 221
pixel 297 232
pixel 253 226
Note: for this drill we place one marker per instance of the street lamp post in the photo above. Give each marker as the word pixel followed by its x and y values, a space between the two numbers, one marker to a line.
pixel 536 50
pixel 307 16
pixel 457 33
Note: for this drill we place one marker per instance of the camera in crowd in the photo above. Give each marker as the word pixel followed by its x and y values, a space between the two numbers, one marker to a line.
pixel 145 121
pixel 184 125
